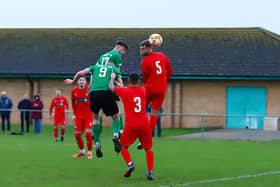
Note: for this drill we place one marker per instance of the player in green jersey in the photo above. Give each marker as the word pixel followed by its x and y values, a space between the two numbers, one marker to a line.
pixel 102 98
pixel 114 56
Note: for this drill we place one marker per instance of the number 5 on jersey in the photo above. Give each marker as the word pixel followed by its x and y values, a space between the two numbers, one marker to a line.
pixel 159 71
pixel 137 101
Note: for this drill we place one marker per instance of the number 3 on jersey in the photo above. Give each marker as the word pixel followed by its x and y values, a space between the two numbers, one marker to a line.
pixel 102 72
pixel 159 71
pixel 137 101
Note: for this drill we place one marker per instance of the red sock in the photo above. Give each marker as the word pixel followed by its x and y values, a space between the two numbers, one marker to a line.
pixel 89 140
pixel 126 155
pixel 55 133
pixel 62 131
pixel 79 140
pixel 150 160
pixel 153 122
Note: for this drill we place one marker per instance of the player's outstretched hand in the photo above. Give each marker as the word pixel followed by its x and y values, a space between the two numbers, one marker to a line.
pixel 68 81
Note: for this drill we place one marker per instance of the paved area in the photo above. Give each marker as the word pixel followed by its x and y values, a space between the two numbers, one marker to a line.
pixel 239 134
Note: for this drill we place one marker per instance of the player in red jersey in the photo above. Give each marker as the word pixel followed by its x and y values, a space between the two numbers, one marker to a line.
pixel 82 116
pixel 136 122
pixel 156 71
pixel 60 104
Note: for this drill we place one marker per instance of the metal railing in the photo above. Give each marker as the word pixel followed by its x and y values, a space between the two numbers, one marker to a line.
pixel 201 116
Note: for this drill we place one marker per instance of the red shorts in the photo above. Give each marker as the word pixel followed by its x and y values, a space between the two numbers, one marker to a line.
pixel 83 124
pixel 59 121
pixel 132 132
pixel 155 97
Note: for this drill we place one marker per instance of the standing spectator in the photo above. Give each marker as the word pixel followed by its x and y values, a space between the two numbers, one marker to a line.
pixel 158 121
pixel 37 104
pixel 24 104
pixel 5 103
pixel 60 104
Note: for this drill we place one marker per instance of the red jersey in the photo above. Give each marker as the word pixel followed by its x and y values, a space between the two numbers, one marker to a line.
pixel 60 105
pixel 134 104
pixel 80 103
pixel 156 70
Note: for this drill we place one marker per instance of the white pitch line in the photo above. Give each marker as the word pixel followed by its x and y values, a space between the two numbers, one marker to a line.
pixel 55 144
pixel 225 179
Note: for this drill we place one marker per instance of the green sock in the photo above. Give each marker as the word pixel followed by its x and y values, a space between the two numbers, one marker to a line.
pixel 116 125
pixel 121 122
pixel 96 132
pixel 100 124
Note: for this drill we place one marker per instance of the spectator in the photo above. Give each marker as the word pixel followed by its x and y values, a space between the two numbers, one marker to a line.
pixel 24 104
pixel 158 121
pixel 5 103
pixel 37 104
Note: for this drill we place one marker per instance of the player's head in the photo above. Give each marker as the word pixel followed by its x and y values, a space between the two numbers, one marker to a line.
pixel 133 79
pixel 145 48
pixel 82 82
pixel 58 93
pixel 25 96
pixel 121 47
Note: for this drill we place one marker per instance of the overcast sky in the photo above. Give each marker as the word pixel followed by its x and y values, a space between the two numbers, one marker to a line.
pixel 136 13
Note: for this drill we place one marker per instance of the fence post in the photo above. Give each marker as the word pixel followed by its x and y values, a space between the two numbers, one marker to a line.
pixel 24 123
pixel 202 126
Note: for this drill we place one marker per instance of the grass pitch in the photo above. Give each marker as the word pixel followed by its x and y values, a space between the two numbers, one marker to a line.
pixel 37 160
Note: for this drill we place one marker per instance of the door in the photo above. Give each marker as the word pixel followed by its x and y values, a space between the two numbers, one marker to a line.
pixel 246 101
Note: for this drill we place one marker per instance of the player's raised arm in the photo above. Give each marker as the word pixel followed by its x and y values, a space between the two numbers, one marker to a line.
pixel 77 76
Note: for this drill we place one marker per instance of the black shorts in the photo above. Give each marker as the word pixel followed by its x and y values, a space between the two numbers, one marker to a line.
pixel 104 100
pixel 117 98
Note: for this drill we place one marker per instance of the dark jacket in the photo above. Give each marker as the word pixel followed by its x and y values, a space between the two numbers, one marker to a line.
pixel 37 105
pixel 5 103
pixel 24 104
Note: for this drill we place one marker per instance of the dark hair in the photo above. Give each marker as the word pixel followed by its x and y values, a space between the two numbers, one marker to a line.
pixel 146 43
pixel 133 78
pixel 36 96
pixel 122 43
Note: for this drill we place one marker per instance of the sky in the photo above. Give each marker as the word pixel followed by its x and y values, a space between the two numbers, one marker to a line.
pixel 140 13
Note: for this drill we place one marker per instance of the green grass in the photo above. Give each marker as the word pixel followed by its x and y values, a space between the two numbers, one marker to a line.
pixel 36 160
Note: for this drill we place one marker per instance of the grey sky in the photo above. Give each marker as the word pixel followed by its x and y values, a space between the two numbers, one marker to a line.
pixel 145 13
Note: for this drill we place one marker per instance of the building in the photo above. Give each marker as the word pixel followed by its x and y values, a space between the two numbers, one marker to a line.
pixel 216 71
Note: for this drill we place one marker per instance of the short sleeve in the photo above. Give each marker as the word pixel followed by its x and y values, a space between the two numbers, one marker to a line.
pixel 117 71
pixel 118 62
pixel 91 69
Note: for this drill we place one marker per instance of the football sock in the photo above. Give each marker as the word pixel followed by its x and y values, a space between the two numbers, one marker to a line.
pixel 100 124
pixel 89 141
pixel 79 140
pixel 126 155
pixel 116 125
pixel 96 132
pixel 150 160
pixel 55 133
pixel 121 122
pixel 153 122
pixel 62 131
